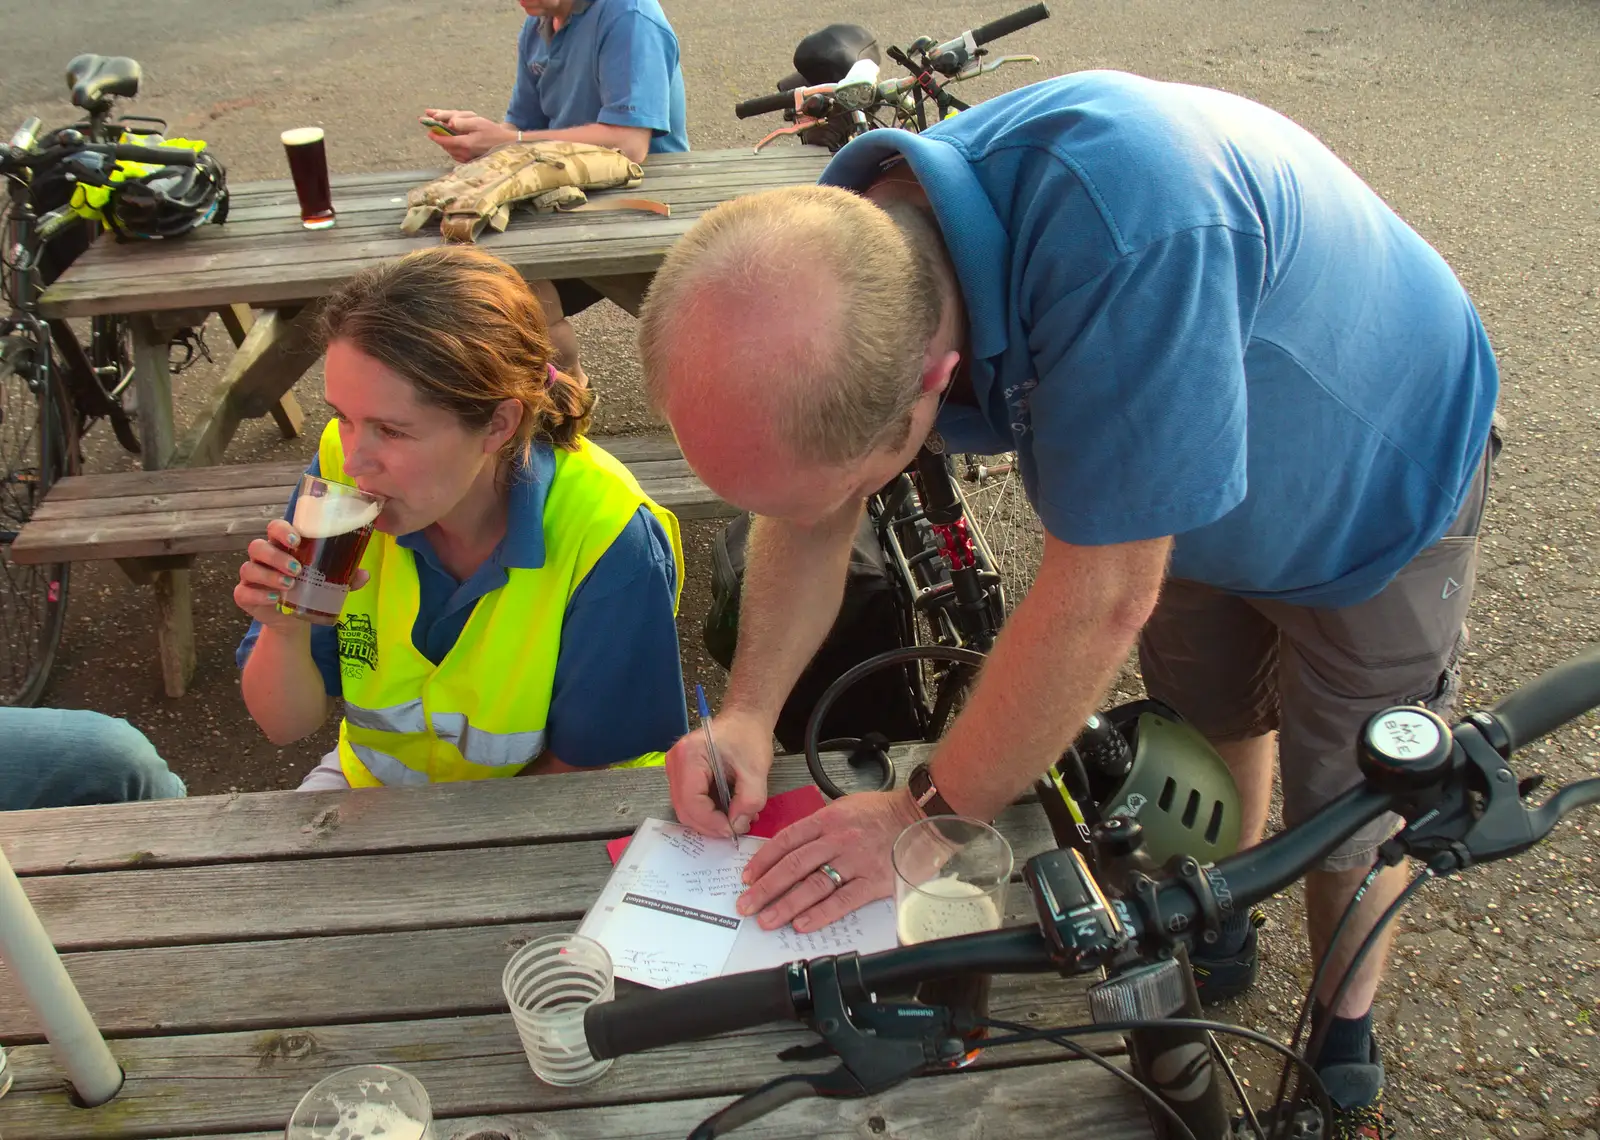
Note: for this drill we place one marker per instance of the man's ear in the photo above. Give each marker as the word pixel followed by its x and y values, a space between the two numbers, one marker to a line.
pixel 939 371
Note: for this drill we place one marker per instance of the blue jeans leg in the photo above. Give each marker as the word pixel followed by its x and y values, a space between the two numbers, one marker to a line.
pixel 67 757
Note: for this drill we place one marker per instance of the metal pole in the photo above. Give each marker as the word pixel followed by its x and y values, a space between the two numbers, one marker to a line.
pixel 71 1031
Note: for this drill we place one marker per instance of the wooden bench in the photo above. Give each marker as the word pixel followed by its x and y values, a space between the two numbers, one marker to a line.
pixel 153 523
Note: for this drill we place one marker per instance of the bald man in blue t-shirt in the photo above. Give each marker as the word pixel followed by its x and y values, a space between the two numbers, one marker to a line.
pixel 593 71
pixel 1251 406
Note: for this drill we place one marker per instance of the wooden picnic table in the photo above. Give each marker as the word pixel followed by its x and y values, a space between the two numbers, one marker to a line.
pixel 263 259
pixel 236 949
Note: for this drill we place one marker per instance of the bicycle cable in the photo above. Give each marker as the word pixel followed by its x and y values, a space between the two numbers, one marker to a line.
pixel 1319 1035
pixel 1308 1002
pixel 1324 1105
pixel 1022 1034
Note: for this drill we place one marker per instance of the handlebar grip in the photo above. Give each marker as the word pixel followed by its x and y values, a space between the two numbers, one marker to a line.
pixel 1551 699
pixel 765 104
pixel 155 155
pixel 1005 25
pixel 654 1018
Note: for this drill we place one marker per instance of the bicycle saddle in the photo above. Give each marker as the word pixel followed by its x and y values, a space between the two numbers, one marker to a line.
pixel 94 79
pixel 826 56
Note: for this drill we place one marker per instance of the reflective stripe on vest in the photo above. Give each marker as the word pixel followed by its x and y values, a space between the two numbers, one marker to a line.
pixel 482 711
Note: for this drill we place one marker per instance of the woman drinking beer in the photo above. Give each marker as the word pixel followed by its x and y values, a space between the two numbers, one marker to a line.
pixel 519 590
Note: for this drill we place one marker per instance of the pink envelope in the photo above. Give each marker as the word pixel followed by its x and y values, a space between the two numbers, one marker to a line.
pixel 780 812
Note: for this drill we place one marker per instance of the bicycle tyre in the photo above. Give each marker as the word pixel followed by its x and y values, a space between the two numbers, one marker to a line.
pixel 33 598
pixel 111 347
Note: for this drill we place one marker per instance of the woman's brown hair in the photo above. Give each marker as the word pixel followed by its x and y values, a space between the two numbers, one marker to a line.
pixel 466 330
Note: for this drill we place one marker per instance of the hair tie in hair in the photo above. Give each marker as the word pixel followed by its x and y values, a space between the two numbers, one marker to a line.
pixel 550 368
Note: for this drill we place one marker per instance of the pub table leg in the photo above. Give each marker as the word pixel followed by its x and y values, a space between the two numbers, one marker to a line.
pixel 153 381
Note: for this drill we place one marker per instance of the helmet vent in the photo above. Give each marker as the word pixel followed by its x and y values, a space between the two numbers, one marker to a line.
pixel 1214 829
pixel 1168 790
pixel 1191 810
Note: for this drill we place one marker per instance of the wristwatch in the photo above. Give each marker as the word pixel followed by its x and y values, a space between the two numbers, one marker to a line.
pixel 925 795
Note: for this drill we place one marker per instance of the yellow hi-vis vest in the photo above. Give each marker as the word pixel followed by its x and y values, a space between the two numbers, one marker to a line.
pixel 481 712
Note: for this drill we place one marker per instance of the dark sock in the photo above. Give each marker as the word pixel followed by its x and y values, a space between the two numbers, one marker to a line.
pixel 1235 929
pixel 1348 1040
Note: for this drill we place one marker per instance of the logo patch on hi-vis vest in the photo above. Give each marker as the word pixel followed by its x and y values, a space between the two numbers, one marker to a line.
pixel 358 645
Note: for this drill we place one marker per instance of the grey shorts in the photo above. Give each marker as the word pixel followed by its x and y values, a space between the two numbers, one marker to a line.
pixel 1237 667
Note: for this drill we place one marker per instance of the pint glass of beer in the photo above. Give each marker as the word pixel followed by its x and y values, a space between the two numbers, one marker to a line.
pixel 308 166
pixel 333 522
pixel 950 876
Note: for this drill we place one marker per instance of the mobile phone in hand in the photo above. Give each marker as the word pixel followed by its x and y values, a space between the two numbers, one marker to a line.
pixel 436 127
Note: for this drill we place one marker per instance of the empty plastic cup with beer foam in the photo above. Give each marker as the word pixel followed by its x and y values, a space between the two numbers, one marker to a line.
pixel 549 984
pixel 333 522
pixel 366 1102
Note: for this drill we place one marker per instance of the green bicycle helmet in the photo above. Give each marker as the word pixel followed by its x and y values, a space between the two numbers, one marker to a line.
pixel 1143 762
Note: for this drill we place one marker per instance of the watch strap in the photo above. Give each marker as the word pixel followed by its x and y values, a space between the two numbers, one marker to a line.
pixel 925 794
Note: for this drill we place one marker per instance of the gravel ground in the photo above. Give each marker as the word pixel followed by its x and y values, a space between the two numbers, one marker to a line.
pixel 1479 120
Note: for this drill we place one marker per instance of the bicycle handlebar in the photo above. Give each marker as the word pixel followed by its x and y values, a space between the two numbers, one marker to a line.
pixel 765 104
pixel 1079 931
pixel 739 1001
pixel 17 158
pixel 1005 25
pixel 1548 701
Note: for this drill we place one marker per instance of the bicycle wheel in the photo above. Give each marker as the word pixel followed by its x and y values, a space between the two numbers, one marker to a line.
pixel 998 510
pixel 34 453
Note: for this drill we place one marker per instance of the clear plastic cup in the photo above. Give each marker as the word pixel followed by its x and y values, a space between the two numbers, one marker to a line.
pixel 366 1102
pixel 549 983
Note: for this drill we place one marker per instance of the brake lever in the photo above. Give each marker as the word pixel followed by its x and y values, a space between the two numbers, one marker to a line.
pixel 982 67
pixel 879 1045
pixel 802 123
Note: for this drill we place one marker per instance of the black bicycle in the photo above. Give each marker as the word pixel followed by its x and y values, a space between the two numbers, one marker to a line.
pixel 1462 802
pixel 53 387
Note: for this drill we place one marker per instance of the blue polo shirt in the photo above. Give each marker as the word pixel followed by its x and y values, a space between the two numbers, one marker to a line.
pixel 1189 318
pixel 619 639
pixel 614 61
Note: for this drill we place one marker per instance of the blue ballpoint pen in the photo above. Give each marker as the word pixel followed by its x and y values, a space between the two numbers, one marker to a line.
pixel 724 800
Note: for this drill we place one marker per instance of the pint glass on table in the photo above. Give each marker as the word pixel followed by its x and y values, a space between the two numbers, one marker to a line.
pixel 308 166
pixel 950 878
pixel 333 522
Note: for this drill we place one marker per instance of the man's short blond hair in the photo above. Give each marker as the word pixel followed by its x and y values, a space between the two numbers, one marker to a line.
pixel 857 378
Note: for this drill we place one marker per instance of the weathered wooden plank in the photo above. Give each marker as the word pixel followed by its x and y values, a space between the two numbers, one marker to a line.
pixel 174 619
pixel 340 979
pixel 114 506
pixel 294 824
pixel 357 209
pixel 152 381
pixel 1027 1100
pixel 304 279
pixel 288 415
pixel 631 449
pixel 656 166
pixel 158 533
pixel 175 481
pixel 348 894
pixel 196 522
pixel 237 319
pixel 469 1065
pixel 276 352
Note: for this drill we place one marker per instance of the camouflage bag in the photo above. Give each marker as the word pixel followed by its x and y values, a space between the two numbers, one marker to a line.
pixel 546 175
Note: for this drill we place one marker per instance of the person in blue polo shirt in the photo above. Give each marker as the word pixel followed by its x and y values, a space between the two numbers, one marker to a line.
pixel 594 71
pixel 519 589
pixel 1252 407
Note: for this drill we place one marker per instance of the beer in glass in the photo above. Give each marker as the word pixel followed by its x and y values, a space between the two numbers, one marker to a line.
pixel 332 522
pixel 950 879
pixel 308 166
